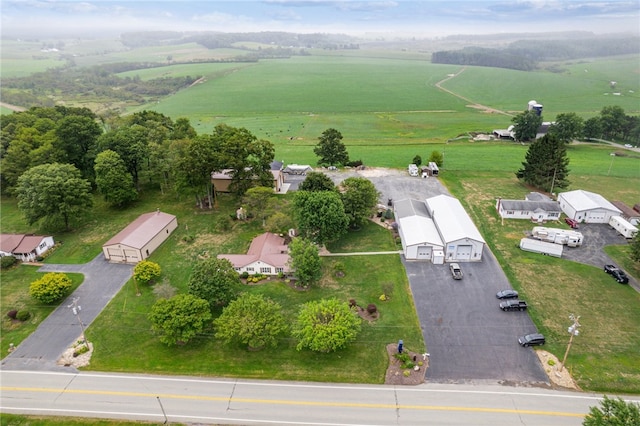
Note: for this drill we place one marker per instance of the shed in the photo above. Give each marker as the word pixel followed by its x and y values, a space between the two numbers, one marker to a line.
pixel 418 233
pixel 588 207
pixel 24 247
pixel 268 254
pixel 629 214
pixel 140 238
pixel 222 180
pixel 298 169
pixel 462 240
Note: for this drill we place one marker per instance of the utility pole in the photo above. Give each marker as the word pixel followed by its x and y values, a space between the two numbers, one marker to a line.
pixel 573 330
pixel 75 308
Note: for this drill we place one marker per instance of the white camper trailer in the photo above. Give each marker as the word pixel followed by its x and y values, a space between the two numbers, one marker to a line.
pixel 542 247
pixel 413 170
pixel 558 236
pixel 623 226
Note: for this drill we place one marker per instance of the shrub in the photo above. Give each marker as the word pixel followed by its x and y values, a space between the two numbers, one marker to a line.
pixel 371 308
pixel 388 214
pixel 12 314
pixel 80 350
pixel 383 297
pixel 50 288
pixel 406 373
pixel 244 275
pixel 189 238
pixel 7 262
pixel 23 315
pixel 352 303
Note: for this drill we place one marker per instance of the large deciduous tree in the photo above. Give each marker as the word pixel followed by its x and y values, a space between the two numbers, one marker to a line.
pixel 193 163
pixel 546 164
pixel 53 192
pixel 326 325
pixel 526 125
pixel 317 181
pixel 613 121
pixel 215 281
pixel 567 127
pixel 320 215
pixel 253 320
pixel 305 261
pixel 131 144
pixel 179 319
pixel 331 149
pixel 77 138
pixel 113 180
pixel 359 197
pixel 257 200
pixel 593 128
pixel 635 248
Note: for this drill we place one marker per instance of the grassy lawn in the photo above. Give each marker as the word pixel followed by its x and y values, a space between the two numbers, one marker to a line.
pixel 14 294
pixel 22 420
pixel 606 354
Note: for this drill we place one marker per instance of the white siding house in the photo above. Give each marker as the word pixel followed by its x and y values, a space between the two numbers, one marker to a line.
pixel 140 238
pixel 462 240
pixel 24 247
pixel 418 232
pixel 535 207
pixel 268 254
pixel 588 207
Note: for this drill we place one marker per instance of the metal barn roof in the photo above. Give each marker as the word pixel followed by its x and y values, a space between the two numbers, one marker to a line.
pixel 582 200
pixel 453 221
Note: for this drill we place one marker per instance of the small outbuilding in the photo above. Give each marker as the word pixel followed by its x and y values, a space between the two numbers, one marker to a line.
pixel 629 214
pixel 461 239
pixel 140 238
pixel 24 247
pixel 268 254
pixel 588 207
pixel 418 233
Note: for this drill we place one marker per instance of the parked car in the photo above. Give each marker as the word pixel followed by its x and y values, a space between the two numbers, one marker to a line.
pixel 513 305
pixel 456 272
pixel 628 145
pixel 617 273
pixel 571 222
pixel 533 339
pixel 507 294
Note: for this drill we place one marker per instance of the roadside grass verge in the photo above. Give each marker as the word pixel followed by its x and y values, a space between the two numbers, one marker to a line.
pixel 14 294
pixel 23 420
pixel 606 355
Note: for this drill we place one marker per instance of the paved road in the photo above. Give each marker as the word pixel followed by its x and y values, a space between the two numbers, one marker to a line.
pixel 214 401
pixel 41 350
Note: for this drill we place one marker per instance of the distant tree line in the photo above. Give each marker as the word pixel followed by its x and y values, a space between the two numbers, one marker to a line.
pixel 525 55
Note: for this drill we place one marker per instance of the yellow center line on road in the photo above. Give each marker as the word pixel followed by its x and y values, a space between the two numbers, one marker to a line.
pixel 292 402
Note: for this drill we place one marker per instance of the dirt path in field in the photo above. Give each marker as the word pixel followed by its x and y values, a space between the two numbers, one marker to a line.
pixel 12 107
pixel 471 104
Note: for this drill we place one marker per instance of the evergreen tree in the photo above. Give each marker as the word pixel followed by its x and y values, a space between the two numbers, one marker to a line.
pixel 546 164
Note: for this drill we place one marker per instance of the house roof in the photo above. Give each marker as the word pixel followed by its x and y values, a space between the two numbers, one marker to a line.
pixel 142 230
pixel 526 205
pixel 537 196
pixel 410 207
pixel 625 209
pixel 19 243
pixel 453 221
pixel 268 248
pixel 582 200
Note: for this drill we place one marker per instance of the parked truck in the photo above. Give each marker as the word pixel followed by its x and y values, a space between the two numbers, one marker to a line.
pixel 513 305
pixel 543 247
pixel 566 237
pixel 623 226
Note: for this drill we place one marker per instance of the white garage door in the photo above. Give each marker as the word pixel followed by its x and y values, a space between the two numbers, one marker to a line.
pixel 131 256
pixel 595 217
pixel 114 254
pixel 463 252
pixel 424 252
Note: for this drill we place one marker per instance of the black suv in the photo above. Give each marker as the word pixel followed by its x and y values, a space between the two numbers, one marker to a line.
pixel 531 339
pixel 617 273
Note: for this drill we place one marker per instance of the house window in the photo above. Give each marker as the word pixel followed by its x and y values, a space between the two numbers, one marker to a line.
pixel 279 270
pixel 250 269
pixel 510 212
pixel 265 270
pixel 237 269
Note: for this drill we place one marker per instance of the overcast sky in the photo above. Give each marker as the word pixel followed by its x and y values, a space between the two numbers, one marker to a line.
pixel 430 18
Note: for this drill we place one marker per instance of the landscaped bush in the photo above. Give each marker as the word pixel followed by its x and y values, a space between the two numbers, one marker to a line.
pixel 50 288
pixel 12 314
pixel 23 315
pixel 244 275
pixel 7 262
pixel 372 308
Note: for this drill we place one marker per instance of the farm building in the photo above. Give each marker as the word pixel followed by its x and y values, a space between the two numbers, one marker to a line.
pixel 588 207
pixel 297 169
pixel 536 207
pixel 462 240
pixel 629 214
pixel 24 247
pixel 418 232
pixel 268 254
pixel 140 238
pixel 222 180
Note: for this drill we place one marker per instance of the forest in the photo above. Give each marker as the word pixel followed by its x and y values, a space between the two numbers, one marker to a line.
pixel 526 55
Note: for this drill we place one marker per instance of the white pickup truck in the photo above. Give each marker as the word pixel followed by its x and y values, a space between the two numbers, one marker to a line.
pixel 456 272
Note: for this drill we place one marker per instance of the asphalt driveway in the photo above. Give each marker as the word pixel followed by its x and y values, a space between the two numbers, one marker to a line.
pixel 41 350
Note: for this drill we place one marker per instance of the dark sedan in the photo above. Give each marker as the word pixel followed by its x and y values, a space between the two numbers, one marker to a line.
pixel 507 294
